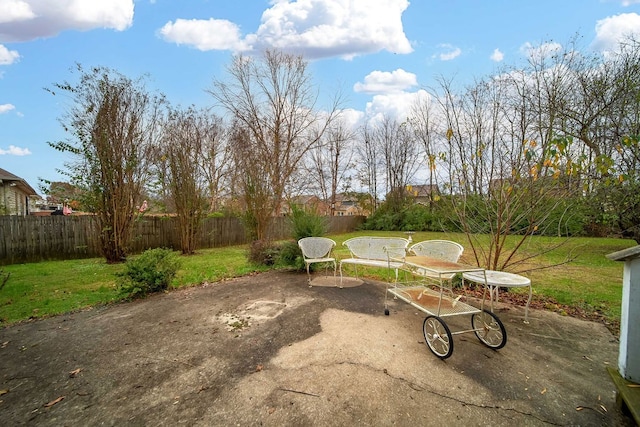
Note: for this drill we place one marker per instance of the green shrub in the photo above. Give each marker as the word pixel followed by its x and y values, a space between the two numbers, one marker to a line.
pixel 307 224
pixel 290 255
pixel 415 217
pixel 384 219
pixel 263 252
pixel 150 272
pixel 286 254
pixel 419 218
pixel 568 218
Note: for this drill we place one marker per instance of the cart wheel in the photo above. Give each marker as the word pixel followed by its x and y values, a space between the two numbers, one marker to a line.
pixel 489 329
pixel 386 311
pixel 437 336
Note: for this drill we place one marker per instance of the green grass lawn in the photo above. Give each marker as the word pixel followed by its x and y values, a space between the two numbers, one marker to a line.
pixel 53 287
pixel 589 282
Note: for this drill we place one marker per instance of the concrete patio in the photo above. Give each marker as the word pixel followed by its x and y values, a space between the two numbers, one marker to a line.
pixel 268 350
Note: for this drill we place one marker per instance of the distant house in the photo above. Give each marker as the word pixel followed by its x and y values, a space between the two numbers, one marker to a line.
pixel 14 194
pixel 308 203
pixel 423 194
pixel 345 205
pixel 348 205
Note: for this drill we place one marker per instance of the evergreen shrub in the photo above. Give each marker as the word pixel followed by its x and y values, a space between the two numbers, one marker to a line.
pixel 150 272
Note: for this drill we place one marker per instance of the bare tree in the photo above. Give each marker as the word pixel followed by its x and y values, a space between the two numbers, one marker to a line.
pixel 423 120
pixel 274 104
pixel 369 165
pixel 114 124
pixel 518 152
pixel 602 111
pixel 189 141
pixel 249 177
pixel 502 181
pixel 332 160
pixel 216 160
pixel 400 155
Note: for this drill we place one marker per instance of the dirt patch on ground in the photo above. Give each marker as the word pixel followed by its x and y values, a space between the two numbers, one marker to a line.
pixel 268 350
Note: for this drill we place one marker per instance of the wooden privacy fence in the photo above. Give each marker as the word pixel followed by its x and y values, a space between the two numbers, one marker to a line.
pixel 37 238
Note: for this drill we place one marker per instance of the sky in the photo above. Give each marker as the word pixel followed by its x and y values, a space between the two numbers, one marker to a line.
pixel 379 54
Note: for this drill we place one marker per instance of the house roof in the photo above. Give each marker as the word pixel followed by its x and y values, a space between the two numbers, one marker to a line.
pixel 6 176
pixel 345 197
pixel 303 199
pixel 422 190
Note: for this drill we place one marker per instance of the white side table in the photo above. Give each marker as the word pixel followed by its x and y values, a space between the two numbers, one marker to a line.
pixel 501 279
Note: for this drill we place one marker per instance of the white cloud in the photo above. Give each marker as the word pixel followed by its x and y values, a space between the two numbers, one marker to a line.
pixel 15 151
pixel 541 51
pixel 346 28
pixel 452 52
pixel 31 19
pixel 315 28
pixel 626 3
pixel 497 56
pixel 214 34
pixel 351 118
pixel 15 10
pixel 386 82
pixel 395 105
pixel 612 30
pixel 5 108
pixel 8 57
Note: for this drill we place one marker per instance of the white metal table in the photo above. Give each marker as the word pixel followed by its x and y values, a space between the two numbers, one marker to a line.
pixel 500 279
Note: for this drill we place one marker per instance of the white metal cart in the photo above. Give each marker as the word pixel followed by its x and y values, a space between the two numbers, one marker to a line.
pixel 440 303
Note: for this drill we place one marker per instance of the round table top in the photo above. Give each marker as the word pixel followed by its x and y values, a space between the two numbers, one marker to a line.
pixel 498 278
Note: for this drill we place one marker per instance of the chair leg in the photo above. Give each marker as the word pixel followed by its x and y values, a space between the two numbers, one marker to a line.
pixel 308 275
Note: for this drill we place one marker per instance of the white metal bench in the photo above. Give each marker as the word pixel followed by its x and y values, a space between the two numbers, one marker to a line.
pixel 375 252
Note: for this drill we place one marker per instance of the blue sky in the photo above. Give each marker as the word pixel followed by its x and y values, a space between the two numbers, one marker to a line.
pixel 379 53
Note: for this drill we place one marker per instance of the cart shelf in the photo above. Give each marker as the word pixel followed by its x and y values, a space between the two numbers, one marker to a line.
pixel 431 301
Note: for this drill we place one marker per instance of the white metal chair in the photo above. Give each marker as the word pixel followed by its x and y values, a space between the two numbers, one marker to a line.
pixel 317 250
pixel 445 250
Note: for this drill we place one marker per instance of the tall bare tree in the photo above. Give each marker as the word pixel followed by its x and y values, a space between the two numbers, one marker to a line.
pixel 502 181
pixel 332 160
pixel 216 160
pixel 273 101
pixel 114 123
pixel 190 141
pixel 424 121
pixel 369 165
pixel 602 112
pixel 400 156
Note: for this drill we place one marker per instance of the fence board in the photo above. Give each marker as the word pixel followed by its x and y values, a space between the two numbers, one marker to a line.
pixel 38 238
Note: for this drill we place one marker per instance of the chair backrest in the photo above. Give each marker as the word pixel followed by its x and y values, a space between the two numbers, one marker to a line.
pixel 376 247
pixel 441 249
pixel 316 247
